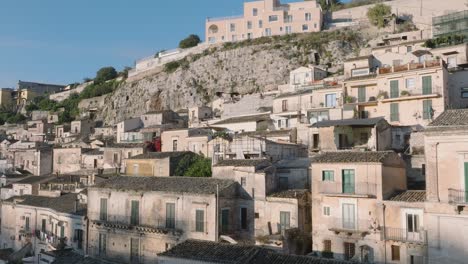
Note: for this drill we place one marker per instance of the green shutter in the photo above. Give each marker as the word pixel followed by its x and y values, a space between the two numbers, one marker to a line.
pixel 284 220
pixel 328 176
pixel 427 84
pixel 361 94
pixel 394 113
pixel 199 221
pixel 427 109
pixel 348 181
pixel 170 215
pixel 103 211
pixel 394 90
pixel 62 231
pixel 135 213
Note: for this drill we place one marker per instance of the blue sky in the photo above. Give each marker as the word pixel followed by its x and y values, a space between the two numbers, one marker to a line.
pixel 57 41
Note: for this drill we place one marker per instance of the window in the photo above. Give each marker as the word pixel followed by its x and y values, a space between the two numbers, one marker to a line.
pixel 135 213
pixel 412 223
pixel 394 112
pixel 26 225
pixel 134 250
pixel 102 244
pixel 316 139
pixel 273 18
pixel 349 250
pixel 267 32
pixel 328 175
pixel 243 214
pixel 116 157
pixel 286 121
pixel 288 19
pixel 62 232
pixel 284 105
pixel 326 210
pixel 409 49
pixel 395 253
pixel 243 181
pixel 249 24
pixel 135 169
pixel 327 249
pixel 364 137
pixel 103 210
pixel 279 123
pixel 360 72
pixel 452 62
pixel 362 94
pixel 44 225
pixel 174 145
pixel 427 84
pixel 260 24
pixel 423 169
pixel 464 92
pixel 348 181
pixel 255 12
pixel 394 89
pixel 225 220
pixel 305 27
pixel 427 109
pixel 170 215
pixel 330 100
pixel 308 16
pixel 199 221
pixel 232 27
pixel 284 221
pixel 410 83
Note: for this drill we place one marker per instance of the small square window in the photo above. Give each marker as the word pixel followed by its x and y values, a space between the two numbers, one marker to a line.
pixel 305 27
pixel 326 210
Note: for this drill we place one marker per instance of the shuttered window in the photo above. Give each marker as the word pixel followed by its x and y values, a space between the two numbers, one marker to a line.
pixel 328 175
pixel 427 109
pixel 361 94
pixel 135 213
pixel 394 112
pixel 199 221
pixel 394 89
pixel 103 210
pixel 170 215
pixel 427 84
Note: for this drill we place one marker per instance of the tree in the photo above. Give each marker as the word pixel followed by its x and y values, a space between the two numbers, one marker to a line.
pixel 105 74
pixel 190 41
pixel 378 15
pixel 200 168
pixel 329 4
pixel 124 72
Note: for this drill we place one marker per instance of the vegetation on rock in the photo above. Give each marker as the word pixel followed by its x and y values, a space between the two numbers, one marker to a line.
pixel 189 42
pixel 379 14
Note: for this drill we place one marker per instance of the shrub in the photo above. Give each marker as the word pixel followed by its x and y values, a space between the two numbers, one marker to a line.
pixel 105 74
pixel 171 67
pixel 190 41
pixel 377 14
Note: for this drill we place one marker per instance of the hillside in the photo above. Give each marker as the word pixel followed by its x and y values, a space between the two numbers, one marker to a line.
pixel 245 67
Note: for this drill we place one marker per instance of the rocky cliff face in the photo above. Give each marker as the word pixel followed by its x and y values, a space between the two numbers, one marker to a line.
pixel 245 67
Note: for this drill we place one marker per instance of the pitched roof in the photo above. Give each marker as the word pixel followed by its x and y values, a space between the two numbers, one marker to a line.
pixel 64 204
pixel 68 256
pixel 162 155
pixel 34 179
pixel 411 196
pixel 267 133
pixel 194 185
pixel 242 162
pixel 452 117
pixel 212 252
pixel 295 194
pixel 352 156
pixel 366 57
pixel 243 119
pixel 349 122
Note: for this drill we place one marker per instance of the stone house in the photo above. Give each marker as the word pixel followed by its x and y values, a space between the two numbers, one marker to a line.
pixel 446 152
pixel 265 18
pixel 198 115
pixel 57 185
pixel 128 131
pixel 246 123
pixel 34 157
pixel 115 154
pixel 83 127
pixel 189 139
pixel 38 131
pixel 28 186
pixel 67 160
pixel 283 135
pixel 160 164
pixel 167 210
pixel 347 190
pixel 45 222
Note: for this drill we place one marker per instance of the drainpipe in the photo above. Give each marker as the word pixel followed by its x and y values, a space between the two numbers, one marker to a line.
pixel 437 170
pixel 384 234
pixel 217 214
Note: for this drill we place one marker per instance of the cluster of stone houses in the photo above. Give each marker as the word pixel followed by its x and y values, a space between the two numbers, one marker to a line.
pixel 368 166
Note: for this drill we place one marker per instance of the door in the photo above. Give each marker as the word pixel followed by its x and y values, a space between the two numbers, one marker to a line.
pixel 224 220
pixel 416 259
pixel 170 215
pixel 343 141
pixel 348 181
pixel 412 227
pixel 362 94
pixel 285 221
pixel 349 216
pixel 427 84
pixel 394 90
pixel 134 250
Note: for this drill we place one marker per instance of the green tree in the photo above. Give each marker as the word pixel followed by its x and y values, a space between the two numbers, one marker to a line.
pixel 124 72
pixel 190 41
pixel 105 74
pixel 200 168
pixel 329 4
pixel 379 14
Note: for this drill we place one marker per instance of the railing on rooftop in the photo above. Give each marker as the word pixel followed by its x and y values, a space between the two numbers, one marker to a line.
pixel 214 19
pixel 403 235
pixel 411 66
pixel 458 196
pixel 340 224
pixel 339 188
pixel 450 17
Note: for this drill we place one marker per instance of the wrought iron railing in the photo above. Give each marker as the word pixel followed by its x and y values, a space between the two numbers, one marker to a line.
pixel 458 196
pixel 404 235
pixel 358 188
pixel 351 224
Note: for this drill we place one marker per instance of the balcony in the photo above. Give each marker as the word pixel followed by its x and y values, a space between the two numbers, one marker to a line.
pixel 458 197
pixel 162 226
pixel 415 93
pixel 357 226
pixel 402 235
pixel 359 189
pixel 411 66
pixel 216 19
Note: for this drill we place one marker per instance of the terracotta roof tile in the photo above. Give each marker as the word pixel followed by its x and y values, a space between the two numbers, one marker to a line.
pixel 409 196
pixel 352 156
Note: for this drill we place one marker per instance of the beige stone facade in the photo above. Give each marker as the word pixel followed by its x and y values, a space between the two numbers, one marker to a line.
pixel 265 18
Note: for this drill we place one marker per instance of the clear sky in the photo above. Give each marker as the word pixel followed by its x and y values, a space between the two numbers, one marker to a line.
pixel 64 41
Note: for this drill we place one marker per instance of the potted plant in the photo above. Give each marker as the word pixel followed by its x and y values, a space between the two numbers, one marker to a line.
pixel 382 95
pixel 405 93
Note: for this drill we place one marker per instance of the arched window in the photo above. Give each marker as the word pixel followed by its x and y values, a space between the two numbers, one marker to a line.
pixel 213 29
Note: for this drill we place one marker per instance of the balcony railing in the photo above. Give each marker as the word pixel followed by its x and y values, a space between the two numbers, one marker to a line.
pixel 402 235
pixel 214 19
pixel 161 226
pixel 411 66
pixel 339 188
pixel 352 225
pixel 458 196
